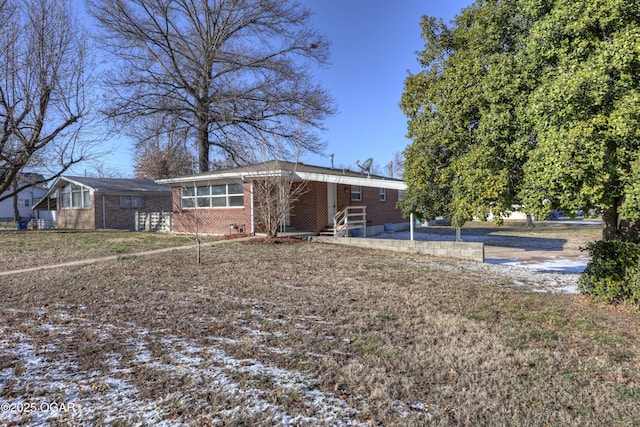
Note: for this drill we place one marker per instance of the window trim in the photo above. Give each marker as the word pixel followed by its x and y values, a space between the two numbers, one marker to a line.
pixel 203 196
pixel 85 196
pixel 356 193
pixel 383 194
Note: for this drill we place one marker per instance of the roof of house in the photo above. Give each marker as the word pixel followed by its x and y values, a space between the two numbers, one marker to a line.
pixel 118 185
pixel 301 171
pixel 104 186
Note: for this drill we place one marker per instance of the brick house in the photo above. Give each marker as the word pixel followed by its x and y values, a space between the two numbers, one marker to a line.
pixel 225 200
pixel 103 203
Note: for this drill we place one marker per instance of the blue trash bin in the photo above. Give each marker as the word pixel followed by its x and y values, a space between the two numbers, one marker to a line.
pixel 22 225
pixel 356 232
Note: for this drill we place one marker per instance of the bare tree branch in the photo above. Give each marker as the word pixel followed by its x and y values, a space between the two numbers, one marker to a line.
pixel 160 149
pixel 234 71
pixel 43 56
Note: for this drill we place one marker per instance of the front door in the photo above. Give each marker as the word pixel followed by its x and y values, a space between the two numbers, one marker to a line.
pixel 332 201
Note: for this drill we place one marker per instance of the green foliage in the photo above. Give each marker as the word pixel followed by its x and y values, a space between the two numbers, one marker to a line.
pixel 465 117
pixel 613 274
pixel 528 102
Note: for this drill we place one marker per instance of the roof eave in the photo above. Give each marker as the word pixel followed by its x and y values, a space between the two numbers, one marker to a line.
pixel 363 181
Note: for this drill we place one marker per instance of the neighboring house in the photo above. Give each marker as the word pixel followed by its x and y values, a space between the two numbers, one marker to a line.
pixel 225 199
pixel 103 203
pixel 27 198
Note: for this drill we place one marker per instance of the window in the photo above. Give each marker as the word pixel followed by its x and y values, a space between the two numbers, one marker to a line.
pixel 131 201
pixel 214 196
pixel 383 194
pixel 400 194
pixel 23 203
pixel 75 196
pixel 356 193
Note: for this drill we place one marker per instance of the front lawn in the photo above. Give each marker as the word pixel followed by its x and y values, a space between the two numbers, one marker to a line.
pixel 24 249
pixel 310 334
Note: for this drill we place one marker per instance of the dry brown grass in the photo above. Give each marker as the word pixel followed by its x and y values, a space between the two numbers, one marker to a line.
pixel 24 249
pixel 396 339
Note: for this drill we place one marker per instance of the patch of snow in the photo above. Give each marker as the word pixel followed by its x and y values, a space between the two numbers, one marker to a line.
pixel 558 275
pixel 115 400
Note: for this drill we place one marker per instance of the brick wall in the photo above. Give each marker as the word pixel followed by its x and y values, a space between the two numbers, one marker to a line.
pixel 116 217
pixel 378 212
pixel 310 211
pixel 79 219
pixel 121 218
pixel 214 220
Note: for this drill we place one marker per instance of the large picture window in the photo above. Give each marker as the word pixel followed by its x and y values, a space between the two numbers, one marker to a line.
pixel 213 196
pixel 75 196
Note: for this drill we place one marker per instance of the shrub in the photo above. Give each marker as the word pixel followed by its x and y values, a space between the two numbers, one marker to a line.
pixel 613 274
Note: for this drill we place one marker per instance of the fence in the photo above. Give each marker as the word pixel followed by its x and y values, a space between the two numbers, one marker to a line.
pixel 154 221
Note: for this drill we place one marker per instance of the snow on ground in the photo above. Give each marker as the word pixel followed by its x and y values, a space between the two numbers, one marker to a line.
pixel 79 395
pixel 551 273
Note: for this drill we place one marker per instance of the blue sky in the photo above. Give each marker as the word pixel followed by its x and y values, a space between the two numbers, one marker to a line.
pixel 373 46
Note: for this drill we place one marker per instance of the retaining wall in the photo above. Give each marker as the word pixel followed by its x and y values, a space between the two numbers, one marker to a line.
pixel 471 251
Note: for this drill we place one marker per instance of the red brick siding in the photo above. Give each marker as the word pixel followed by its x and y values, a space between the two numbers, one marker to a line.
pixel 211 220
pixel 310 211
pixel 378 212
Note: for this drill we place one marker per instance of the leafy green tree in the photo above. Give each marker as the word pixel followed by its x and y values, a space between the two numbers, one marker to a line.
pixel 530 102
pixel 586 112
pixel 465 115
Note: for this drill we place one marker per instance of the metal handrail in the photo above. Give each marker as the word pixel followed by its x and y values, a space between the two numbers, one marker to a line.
pixel 349 218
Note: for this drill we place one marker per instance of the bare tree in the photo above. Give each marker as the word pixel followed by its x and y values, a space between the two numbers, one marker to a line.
pixel 160 149
pixel 43 78
pixel 396 166
pixel 275 190
pixel 233 71
pixel 194 224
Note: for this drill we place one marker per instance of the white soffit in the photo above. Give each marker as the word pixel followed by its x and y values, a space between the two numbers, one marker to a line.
pixel 363 181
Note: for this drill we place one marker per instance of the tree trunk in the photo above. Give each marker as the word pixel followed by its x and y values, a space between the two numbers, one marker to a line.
pixel 16 211
pixel 610 219
pixel 203 145
pixel 530 223
pixel 616 228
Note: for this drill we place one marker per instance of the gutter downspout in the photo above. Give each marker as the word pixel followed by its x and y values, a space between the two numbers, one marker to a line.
pixel 253 230
pixel 104 213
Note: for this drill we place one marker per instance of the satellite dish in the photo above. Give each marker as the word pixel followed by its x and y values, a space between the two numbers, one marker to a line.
pixel 366 166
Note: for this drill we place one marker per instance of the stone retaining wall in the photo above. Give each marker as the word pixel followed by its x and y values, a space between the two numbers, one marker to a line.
pixel 471 251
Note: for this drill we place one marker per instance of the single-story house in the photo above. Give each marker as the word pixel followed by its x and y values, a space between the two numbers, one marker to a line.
pixel 27 198
pixel 226 200
pixel 103 203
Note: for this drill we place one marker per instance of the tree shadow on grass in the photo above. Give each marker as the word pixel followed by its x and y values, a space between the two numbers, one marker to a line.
pixel 482 235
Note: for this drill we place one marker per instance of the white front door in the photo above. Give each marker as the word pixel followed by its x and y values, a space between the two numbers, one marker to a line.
pixel 332 201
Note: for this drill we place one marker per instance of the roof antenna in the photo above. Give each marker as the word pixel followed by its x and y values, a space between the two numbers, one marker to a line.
pixel 366 166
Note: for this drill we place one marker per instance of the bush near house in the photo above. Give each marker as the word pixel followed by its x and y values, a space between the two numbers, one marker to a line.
pixel 613 274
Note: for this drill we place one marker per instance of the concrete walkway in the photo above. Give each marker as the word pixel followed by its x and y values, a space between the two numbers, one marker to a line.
pixel 115 257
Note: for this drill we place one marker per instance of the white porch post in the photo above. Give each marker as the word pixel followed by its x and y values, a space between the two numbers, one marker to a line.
pixel 411 222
